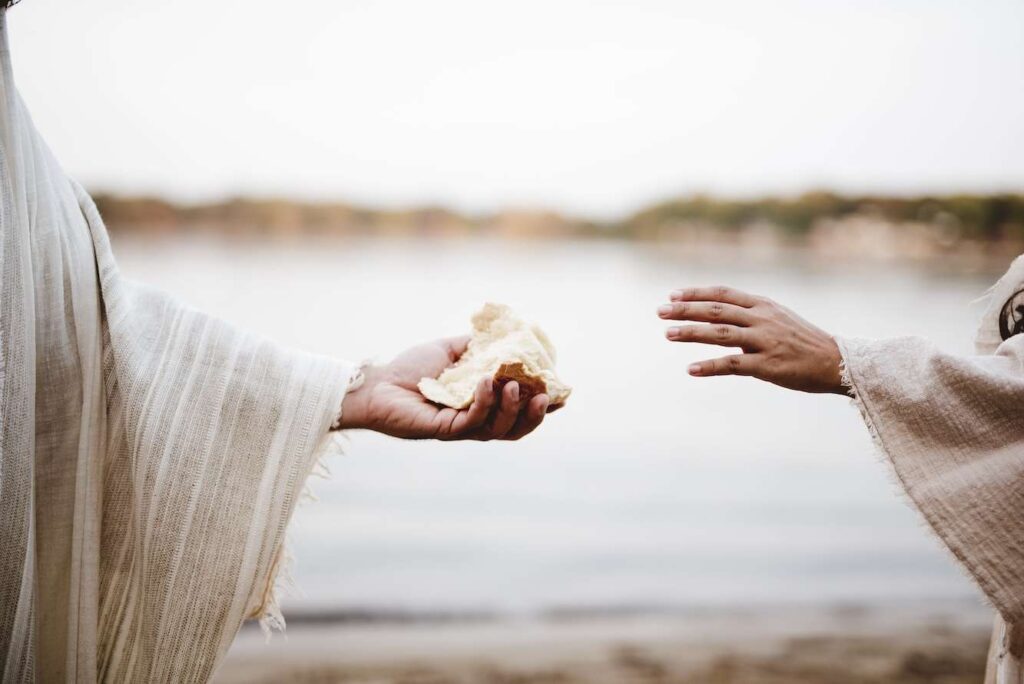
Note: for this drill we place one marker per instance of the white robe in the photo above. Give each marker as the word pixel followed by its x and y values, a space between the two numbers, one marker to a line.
pixel 150 456
pixel 953 429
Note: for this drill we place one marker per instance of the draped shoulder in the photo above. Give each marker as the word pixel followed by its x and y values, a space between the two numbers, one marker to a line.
pixel 952 428
pixel 151 456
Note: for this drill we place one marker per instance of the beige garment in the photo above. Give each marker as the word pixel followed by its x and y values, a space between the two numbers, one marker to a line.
pixel 150 456
pixel 953 429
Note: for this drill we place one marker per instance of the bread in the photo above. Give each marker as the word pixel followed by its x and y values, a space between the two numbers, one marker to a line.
pixel 505 348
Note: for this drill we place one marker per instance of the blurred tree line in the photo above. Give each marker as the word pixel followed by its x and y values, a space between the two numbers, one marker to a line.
pixel 996 218
pixel 974 217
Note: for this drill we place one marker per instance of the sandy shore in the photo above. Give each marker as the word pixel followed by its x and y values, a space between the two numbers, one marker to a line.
pixel 836 645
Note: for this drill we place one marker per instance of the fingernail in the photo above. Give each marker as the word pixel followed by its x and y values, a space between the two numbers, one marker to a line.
pixel 694 369
pixel 515 392
pixel 664 309
pixel 676 294
pixel 672 333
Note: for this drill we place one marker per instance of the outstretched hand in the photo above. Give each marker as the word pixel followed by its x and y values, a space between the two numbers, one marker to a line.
pixel 778 346
pixel 390 402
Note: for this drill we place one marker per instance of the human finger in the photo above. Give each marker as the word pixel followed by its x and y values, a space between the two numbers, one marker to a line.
pixel 508 410
pixel 530 417
pixel 456 346
pixel 717 293
pixel 706 312
pixel 736 364
pixel 722 335
pixel 476 415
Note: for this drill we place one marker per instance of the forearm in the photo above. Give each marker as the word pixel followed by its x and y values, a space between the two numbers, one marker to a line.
pixel 950 426
pixel 911 379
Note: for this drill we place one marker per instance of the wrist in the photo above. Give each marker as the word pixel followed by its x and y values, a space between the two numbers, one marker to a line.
pixel 356 407
pixel 836 386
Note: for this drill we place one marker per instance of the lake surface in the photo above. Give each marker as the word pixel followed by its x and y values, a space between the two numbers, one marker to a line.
pixel 650 488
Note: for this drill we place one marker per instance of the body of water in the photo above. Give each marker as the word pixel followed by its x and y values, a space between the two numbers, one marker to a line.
pixel 649 488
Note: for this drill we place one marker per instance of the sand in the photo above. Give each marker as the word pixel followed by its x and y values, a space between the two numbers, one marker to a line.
pixel 799 645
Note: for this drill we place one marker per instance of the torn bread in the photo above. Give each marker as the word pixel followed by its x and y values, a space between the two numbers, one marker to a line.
pixel 505 348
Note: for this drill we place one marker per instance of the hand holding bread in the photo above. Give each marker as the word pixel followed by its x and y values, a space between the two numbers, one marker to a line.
pixel 497 384
pixel 505 348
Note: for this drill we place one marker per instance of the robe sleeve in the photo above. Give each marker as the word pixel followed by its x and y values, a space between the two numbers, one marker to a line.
pixel 211 434
pixel 953 429
pixel 151 455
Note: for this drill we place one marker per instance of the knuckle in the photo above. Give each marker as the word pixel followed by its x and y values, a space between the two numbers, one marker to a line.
pixel 723 332
pixel 690 293
pixel 722 291
pixel 716 310
pixel 734 364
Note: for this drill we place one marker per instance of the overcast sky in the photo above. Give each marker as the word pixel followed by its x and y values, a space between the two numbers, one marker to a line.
pixel 583 105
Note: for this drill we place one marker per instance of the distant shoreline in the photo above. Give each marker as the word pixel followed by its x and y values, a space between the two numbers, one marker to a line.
pixel 883 644
pixel 971 229
pixel 319 616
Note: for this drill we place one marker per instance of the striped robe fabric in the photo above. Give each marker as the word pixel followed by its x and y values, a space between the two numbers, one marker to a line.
pixel 150 456
pixel 953 429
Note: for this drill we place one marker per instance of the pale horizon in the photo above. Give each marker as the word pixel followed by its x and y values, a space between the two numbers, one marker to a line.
pixel 587 109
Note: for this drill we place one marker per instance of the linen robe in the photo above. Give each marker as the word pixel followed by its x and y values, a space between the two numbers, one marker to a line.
pixel 150 456
pixel 953 429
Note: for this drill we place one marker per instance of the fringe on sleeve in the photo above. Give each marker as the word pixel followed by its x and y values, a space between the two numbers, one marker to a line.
pixel 212 433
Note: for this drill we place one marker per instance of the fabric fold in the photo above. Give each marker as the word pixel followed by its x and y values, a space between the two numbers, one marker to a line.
pixel 151 456
pixel 952 428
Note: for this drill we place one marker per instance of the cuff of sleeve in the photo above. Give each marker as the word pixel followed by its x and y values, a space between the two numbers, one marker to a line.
pixel 354 382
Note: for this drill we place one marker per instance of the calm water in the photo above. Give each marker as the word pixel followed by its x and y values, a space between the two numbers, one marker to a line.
pixel 649 488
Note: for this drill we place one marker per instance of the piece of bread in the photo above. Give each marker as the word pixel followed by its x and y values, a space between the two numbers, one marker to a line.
pixel 504 348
